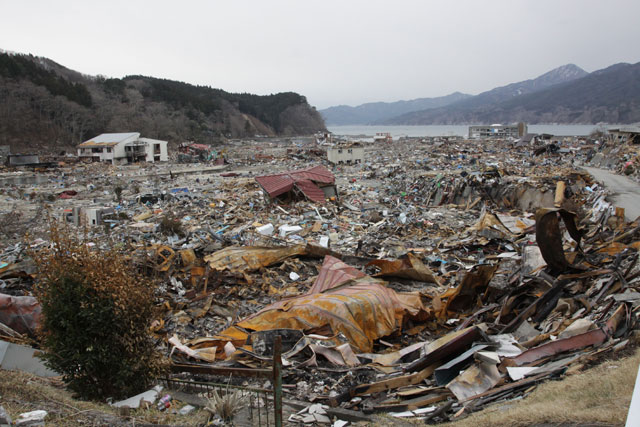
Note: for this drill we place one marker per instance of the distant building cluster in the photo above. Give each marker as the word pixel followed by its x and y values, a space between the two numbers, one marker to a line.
pixel 498 131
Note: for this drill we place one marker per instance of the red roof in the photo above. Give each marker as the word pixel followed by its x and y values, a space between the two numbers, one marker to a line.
pixel 311 190
pixel 316 173
pixel 304 179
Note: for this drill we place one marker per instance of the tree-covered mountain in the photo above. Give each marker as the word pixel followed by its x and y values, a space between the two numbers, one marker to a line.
pixel 43 104
pixel 564 95
pixel 379 111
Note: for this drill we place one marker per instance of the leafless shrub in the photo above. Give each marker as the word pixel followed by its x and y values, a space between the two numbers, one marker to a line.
pixel 226 405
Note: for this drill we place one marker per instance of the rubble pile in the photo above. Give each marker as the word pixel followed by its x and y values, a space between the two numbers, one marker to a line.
pixel 438 279
pixel 624 159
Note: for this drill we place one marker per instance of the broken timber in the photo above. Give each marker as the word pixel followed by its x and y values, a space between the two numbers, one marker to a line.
pixel 389 384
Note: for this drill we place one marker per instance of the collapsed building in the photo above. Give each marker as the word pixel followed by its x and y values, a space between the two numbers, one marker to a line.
pixel 315 183
pixel 625 134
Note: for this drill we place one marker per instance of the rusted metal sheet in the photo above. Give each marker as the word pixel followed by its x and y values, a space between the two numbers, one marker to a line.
pixel 407 268
pixel 22 314
pixel 250 258
pixel 549 236
pixel 464 296
pixel 361 309
pixel 443 348
pixel 334 273
pixel 576 342
pixel 594 337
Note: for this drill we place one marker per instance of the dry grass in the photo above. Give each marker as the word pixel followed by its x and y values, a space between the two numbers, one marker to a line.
pixel 598 396
pixel 21 392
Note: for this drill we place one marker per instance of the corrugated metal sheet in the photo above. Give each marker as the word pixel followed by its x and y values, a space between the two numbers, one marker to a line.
pixel 275 185
pixel 334 273
pixel 312 191
pixel 343 300
pixel 316 173
pixel 109 139
pixel 303 179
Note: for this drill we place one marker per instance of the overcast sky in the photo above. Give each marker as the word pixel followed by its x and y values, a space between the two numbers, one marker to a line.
pixel 333 52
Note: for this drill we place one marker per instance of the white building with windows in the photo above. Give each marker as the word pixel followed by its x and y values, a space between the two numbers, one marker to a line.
pixel 122 148
pixel 514 131
pixel 350 154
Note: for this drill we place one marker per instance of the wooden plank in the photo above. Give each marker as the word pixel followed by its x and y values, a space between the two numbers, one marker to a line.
pixel 413 404
pixel 388 384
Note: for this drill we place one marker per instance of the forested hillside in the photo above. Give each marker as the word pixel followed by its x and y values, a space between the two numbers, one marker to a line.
pixel 43 104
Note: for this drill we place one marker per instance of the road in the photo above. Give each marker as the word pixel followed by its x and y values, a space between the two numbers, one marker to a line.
pixel 626 191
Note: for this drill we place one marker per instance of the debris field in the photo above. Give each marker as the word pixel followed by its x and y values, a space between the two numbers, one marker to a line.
pixel 426 282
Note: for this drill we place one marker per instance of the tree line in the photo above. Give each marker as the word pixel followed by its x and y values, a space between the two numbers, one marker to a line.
pixel 24 67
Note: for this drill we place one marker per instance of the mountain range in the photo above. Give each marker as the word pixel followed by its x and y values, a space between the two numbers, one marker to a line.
pixel 380 111
pixel 46 105
pixel 566 94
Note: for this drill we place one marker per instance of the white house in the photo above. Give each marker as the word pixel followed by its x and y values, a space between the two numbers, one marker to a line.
pixel 122 148
pixel 346 153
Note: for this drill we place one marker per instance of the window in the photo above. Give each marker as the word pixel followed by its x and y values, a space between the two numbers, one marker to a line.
pixel 109 149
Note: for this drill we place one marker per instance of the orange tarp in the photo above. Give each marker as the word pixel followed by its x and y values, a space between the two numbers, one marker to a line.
pixel 342 301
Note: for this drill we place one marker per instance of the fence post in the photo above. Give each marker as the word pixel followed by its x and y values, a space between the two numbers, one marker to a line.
pixel 277 381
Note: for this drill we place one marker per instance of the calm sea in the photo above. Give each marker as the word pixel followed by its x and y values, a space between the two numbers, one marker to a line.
pixel 461 130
